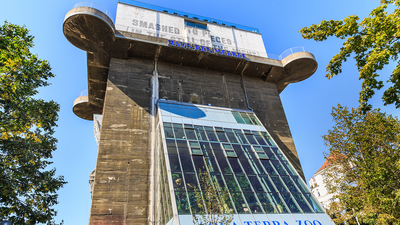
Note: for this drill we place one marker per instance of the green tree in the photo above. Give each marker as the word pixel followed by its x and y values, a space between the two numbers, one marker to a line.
pixel 213 203
pixel 27 187
pixel 365 171
pixel 374 43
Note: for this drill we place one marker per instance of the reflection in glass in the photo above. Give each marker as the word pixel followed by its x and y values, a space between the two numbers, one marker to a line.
pixel 186 161
pixel 253 203
pixel 231 136
pixel 268 167
pixel 178 130
pixel 290 203
pixel 240 136
pixel 211 134
pixel 235 165
pixel 302 202
pixel 266 203
pixel 168 130
pixel 201 135
pixel 313 202
pixel 279 204
pixel 171 146
pixel 190 134
pixel 278 184
pixel 174 162
pixel 243 182
pixel 239 202
pixel 279 168
pixel 182 202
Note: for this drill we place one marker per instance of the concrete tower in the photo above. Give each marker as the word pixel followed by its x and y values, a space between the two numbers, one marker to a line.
pixel 154 60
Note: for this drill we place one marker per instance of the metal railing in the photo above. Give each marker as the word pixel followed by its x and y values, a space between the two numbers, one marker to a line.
pixel 83 93
pixel 288 52
pixel 95 6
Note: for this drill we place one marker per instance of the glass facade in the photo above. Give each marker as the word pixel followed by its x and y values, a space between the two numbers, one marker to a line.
pixel 238 152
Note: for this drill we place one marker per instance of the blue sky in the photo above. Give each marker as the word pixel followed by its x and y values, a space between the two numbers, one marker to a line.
pixel 307 104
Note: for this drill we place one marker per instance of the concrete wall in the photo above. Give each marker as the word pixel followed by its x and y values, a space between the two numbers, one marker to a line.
pixel 120 193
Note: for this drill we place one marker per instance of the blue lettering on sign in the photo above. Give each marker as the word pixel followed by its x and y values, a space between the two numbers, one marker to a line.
pixel 274 222
pixel 218 51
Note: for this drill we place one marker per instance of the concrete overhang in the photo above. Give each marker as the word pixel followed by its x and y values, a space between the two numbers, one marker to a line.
pixel 93 31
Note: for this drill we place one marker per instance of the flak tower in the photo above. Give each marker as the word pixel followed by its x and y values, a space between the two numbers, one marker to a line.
pixel 173 94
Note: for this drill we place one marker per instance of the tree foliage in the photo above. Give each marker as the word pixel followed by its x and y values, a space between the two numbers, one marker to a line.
pixel 27 187
pixel 213 203
pixel 374 43
pixel 364 151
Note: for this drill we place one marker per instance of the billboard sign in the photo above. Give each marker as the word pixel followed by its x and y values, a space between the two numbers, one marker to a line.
pixel 177 28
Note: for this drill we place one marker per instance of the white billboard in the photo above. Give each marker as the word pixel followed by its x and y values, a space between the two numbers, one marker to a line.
pixel 172 27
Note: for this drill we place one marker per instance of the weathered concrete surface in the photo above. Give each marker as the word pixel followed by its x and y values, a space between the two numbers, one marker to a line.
pixel 120 193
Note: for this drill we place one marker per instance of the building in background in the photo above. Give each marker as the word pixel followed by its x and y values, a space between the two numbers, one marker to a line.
pixel 318 186
pixel 171 93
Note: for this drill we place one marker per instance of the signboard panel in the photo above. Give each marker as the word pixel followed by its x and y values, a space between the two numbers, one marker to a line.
pixel 270 219
pixel 159 24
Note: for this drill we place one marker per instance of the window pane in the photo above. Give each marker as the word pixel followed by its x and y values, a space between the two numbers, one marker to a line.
pixel 230 153
pixel 240 136
pixel 168 130
pixel 178 182
pixel 182 203
pixel 235 165
pixel 259 138
pixel 311 200
pixel 186 161
pixel 290 203
pixel 266 203
pixel 302 203
pixel 251 139
pixel 300 184
pixel 222 137
pixel 201 135
pixel 243 182
pixel 231 136
pixel 255 183
pixel 171 146
pixel 267 184
pixel 280 205
pixel 245 118
pixel 223 164
pixel 253 203
pixel 209 156
pixel 270 154
pixel 288 167
pixel 178 130
pixel 279 168
pixel 199 163
pixel 190 134
pixel 211 134
pixel 174 162
pixel 289 184
pixel 231 183
pixel 182 147
pixel 267 138
pixel 191 181
pixel 254 119
pixel 262 155
pixel 194 202
pixel 270 170
pixel 278 184
pixel 239 202
pixel 237 117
